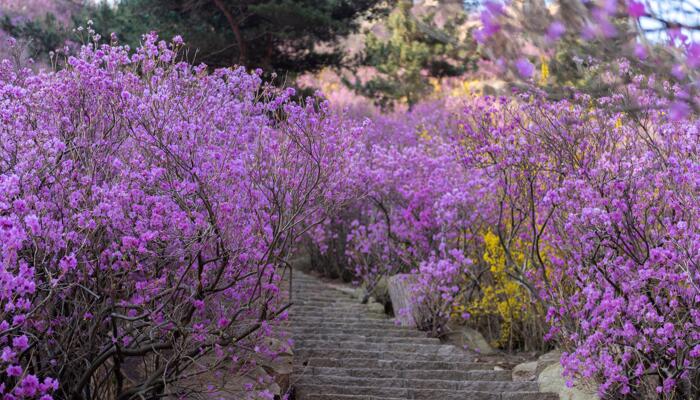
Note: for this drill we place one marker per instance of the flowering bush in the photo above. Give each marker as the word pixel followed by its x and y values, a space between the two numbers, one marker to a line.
pixel 608 203
pixel 439 282
pixel 146 206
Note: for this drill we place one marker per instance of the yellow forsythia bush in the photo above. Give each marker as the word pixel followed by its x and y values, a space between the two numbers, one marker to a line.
pixel 504 310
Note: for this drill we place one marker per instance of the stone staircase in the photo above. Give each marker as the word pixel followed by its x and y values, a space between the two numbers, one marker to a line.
pixel 343 351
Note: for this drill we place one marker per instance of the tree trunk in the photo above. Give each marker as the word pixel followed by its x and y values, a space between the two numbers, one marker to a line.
pixel 235 27
pixel 269 52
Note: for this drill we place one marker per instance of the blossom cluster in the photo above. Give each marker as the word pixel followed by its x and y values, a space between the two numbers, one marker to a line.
pixel 657 37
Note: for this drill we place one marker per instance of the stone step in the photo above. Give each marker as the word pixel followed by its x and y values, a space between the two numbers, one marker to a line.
pixel 336 337
pixel 309 317
pixel 309 282
pixel 339 309
pixel 439 355
pixel 504 396
pixel 369 323
pixel 345 320
pixel 364 322
pixel 434 384
pixel 374 363
pixel 373 324
pixel 301 298
pixel 329 307
pixel 301 345
pixel 346 301
pixel 334 313
pixel 444 374
pixel 344 351
pixel 333 391
pixel 309 292
pixel 316 292
pixel 394 332
pixel 347 397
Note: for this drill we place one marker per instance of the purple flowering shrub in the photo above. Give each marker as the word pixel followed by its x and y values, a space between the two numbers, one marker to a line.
pixel 607 201
pixel 146 207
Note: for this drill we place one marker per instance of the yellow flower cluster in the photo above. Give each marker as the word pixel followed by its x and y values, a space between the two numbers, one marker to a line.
pixel 544 71
pixel 502 297
pixel 423 134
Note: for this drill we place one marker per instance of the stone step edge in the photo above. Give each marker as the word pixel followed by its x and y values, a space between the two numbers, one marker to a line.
pixel 466 365
pixel 337 390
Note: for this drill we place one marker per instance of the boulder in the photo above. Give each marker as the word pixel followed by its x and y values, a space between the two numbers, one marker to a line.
pixel 550 380
pixel 467 338
pixel 547 359
pixel 375 307
pixel 399 288
pixel 238 386
pixel 525 372
pixel 279 368
pixel 529 371
pixel 360 293
pixel 271 374
pixel 281 372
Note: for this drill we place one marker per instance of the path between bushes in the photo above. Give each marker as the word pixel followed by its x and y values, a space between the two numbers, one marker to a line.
pixel 344 351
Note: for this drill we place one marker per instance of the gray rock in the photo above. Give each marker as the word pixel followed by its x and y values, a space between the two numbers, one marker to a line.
pixel 375 307
pixel 236 386
pixel 551 380
pixel 547 359
pixel 468 338
pixel 399 287
pixel 360 293
pixel 525 372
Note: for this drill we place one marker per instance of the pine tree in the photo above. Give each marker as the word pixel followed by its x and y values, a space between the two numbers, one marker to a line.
pixel 283 36
pixel 414 52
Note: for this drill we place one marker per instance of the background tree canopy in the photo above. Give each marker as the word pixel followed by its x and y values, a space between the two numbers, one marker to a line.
pixel 414 51
pixel 287 36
